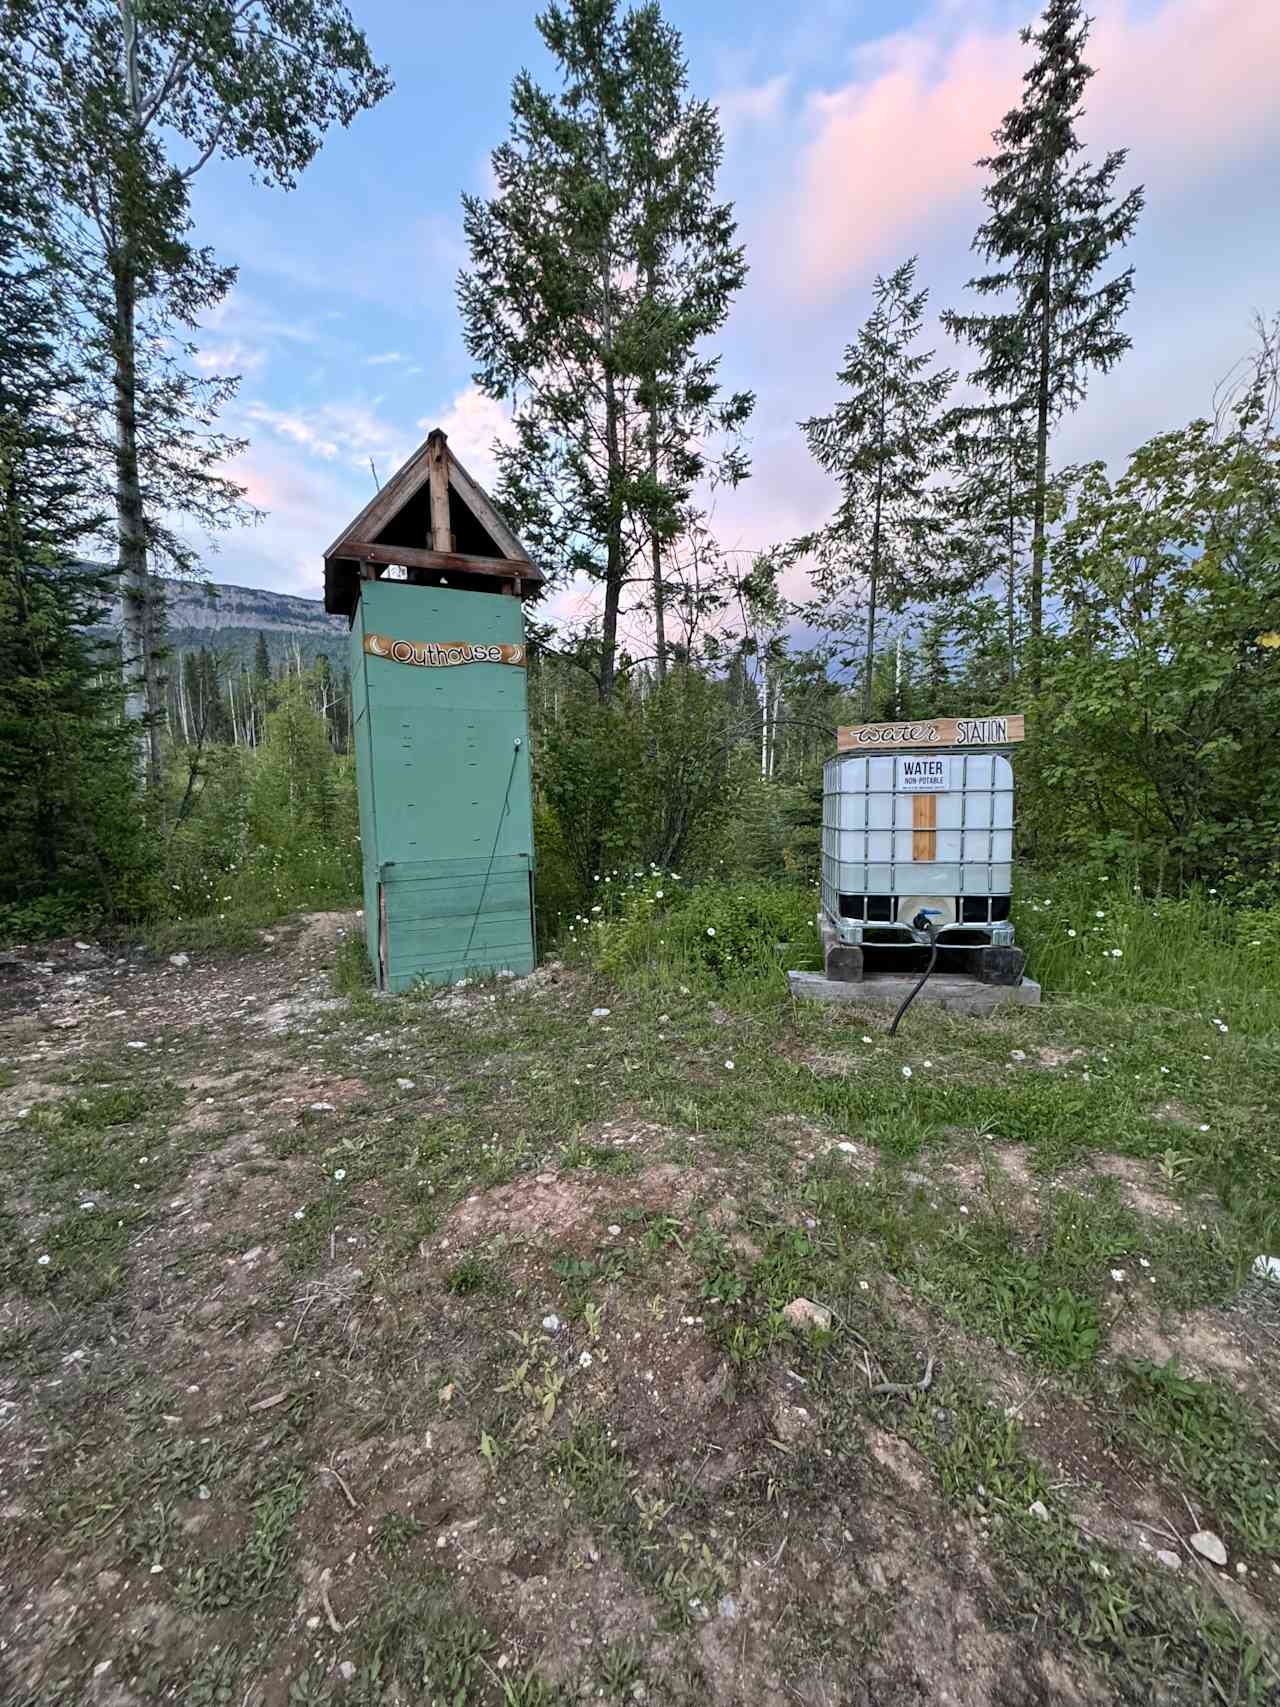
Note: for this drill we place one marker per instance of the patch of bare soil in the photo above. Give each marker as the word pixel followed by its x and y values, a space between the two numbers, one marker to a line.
pixel 567 1207
pixel 811 1141
pixel 1138 1183
pixel 1236 1343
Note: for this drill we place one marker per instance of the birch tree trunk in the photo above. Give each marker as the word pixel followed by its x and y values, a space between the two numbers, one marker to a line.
pixel 142 702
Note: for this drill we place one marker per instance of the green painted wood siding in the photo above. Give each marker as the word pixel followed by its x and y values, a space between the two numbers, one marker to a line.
pixel 446 819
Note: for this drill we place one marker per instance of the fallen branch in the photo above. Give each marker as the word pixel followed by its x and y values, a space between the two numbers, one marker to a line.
pixel 328 1470
pixel 334 1625
pixel 919 1386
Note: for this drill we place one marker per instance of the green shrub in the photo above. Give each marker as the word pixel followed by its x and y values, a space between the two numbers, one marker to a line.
pixel 713 932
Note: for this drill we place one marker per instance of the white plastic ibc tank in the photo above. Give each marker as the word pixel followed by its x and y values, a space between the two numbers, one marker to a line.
pixel 868 824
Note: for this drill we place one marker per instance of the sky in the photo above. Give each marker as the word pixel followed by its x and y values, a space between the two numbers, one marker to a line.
pixel 851 135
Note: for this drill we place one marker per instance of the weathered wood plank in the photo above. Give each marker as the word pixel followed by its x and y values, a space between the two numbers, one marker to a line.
pixel 924 821
pixel 932 732
pixel 438 486
pixel 459 562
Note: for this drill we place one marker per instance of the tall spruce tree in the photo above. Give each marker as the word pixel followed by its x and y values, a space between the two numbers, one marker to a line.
pixel 124 103
pixel 64 770
pixel 691 268
pixel 597 269
pixel 993 456
pixel 889 541
pixel 1053 221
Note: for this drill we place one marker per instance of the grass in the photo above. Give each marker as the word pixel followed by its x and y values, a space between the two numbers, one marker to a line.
pixel 1046 1190
pixel 1215 1445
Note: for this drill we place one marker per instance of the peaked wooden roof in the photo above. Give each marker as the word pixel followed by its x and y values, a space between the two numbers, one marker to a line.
pixel 433 519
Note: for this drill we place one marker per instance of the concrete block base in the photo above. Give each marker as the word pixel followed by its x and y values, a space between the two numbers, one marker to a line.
pixel 887 989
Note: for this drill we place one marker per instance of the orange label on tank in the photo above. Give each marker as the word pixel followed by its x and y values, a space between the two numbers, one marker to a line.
pixel 443 654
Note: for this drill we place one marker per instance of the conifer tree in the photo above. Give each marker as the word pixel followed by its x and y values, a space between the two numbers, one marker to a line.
pixel 691 267
pixel 888 541
pixel 1053 220
pixel 64 770
pixel 597 269
pixel 123 103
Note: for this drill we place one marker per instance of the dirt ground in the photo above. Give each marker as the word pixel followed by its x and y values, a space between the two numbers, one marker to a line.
pixel 436 1350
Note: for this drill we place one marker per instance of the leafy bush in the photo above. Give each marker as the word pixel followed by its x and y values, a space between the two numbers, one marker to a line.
pixel 713 932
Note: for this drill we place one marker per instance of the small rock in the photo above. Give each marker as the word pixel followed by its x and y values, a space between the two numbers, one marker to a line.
pixel 791 1422
pixel 83 945
pixel 406 1085
pixel 600 1013
pixel 1209 1546
pixel 1170 1560
pixel 1266 1268
pixel 728 1607
pixel 804 1313
pixel 179 960
pixel 135 1046
pixel 322 1108
pixel 1039 1509
pixel 346 1670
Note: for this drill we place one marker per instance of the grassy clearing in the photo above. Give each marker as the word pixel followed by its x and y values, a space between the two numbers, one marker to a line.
pixel 487 1362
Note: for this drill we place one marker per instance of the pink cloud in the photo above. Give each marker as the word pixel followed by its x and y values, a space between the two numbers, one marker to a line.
pixel 1187 89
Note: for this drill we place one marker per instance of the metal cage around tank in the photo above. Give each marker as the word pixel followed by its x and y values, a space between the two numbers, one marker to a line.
pixel 918 829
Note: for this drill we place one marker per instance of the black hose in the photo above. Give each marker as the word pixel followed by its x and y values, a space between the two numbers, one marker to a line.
pixel 921 982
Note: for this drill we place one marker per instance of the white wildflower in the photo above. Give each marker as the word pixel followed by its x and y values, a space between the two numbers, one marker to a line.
pixel 711 930
pixel 44 1261
pixel 906 1072
pixel 585 1361
pixel 1071 933
pixel 339 1174
pixel 729 1066
pixel 299 1214
pixel 1117 1274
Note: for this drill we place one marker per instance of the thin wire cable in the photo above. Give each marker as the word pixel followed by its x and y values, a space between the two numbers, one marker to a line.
pixel 497 837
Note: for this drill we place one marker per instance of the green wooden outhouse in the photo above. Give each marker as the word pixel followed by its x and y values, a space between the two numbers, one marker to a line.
pixel 432 581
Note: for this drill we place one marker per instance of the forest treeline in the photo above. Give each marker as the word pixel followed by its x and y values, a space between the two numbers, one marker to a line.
pixel 1131 611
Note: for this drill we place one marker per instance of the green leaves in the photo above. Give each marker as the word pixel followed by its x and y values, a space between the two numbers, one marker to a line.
pixel 1161 704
